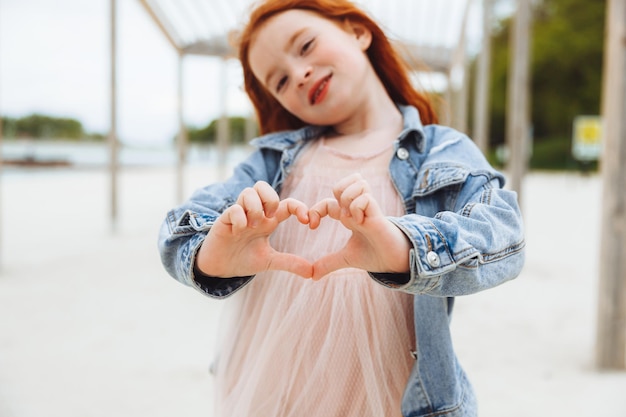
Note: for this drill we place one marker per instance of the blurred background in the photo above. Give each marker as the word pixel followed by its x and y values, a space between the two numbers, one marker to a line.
pixel 114 111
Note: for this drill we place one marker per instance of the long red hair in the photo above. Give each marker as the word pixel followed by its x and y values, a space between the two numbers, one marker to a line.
pixel 389 66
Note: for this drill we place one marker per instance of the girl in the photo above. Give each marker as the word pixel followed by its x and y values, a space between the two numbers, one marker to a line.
pixel 355 187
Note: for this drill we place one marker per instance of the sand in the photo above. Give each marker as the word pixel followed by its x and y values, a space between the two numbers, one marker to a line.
pixel 91 325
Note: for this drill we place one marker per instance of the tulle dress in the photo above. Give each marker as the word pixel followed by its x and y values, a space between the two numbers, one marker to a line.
pixel 338 347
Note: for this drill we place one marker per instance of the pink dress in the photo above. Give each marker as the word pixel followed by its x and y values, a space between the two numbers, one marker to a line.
pixel 338 347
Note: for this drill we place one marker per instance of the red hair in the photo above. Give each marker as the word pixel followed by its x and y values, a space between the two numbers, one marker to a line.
pixel 389 66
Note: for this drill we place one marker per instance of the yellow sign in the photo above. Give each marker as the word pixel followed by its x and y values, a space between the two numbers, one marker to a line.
pixel 587 140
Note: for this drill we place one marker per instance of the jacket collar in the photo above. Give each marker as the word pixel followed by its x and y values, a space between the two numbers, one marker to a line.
pixel 285 139
pixel 413 130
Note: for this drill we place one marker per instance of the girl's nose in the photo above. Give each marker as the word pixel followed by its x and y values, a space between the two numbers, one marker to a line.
pixel 305 74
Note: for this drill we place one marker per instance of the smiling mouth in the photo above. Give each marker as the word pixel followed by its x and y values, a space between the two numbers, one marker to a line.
pixel 319 90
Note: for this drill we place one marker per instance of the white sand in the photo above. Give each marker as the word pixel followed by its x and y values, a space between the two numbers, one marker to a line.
pixel 91 325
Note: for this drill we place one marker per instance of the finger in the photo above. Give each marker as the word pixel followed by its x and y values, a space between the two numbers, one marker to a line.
pixel 251 202
pixel 352 192
pixel 268 196
pixel 358 208
pixel 328 264
pixel 235 218
pixel 291 263
pixel 326 207
pixel 341 185
pixel 365 206
pixel 292 207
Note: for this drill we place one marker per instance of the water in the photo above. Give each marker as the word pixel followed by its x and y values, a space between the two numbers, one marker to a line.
pixel 97 154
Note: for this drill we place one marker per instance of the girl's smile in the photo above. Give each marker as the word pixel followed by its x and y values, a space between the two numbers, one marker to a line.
pixel 319 90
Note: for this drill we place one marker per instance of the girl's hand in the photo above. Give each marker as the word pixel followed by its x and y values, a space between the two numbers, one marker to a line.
pixel 376 244
pixel 238 242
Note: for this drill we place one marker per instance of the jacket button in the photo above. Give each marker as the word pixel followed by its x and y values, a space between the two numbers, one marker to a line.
pixel 433 259
pixel 402 153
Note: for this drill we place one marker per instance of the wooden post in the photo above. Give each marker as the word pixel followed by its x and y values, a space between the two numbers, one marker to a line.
pixel 182 140
pixel 251 130
pixel 611 327
pixel 223 124
pixel 518 92
pixel 460 96
pixel 1 168
pixel 483 74
pixel 445 112
pixel 112 139
pixel 458 78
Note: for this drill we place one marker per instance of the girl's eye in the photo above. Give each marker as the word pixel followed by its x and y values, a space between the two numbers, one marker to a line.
pixel 307 45
pixel 281 83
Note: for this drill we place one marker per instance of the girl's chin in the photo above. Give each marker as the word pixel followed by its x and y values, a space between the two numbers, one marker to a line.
pixel 321 114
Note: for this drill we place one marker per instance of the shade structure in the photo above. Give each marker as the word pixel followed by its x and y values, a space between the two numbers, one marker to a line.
pixel 432 35
pixel 201 27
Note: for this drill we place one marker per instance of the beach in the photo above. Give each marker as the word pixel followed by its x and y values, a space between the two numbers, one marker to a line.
pixel 92 325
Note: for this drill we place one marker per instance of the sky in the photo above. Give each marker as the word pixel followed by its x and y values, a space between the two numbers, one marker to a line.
pixel 55 60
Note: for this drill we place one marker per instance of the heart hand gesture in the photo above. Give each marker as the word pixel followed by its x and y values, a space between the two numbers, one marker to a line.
pixel 376 244
pixel 238 243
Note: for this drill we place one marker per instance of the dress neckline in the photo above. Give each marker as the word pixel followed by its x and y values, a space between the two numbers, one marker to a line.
pixel 354 155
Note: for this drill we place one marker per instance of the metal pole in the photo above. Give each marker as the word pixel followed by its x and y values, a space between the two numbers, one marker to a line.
pixel 518 91
pixel 611 327
pixel 112 139
pixel 483 74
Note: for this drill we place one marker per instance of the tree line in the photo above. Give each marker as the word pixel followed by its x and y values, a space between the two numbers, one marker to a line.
pixel 39 126
pixel 567 45
pixel 208 133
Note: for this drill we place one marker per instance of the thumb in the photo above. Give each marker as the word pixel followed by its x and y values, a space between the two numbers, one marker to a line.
pixel 329 263
pixel 291 263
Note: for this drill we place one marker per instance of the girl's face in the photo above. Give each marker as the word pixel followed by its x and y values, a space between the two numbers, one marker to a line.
pixel 316 68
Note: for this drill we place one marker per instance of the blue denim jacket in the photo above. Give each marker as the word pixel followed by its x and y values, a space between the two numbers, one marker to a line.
pixel 466 233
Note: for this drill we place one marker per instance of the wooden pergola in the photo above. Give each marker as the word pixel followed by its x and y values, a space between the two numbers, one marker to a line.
pixel 435 33
pixel 200 27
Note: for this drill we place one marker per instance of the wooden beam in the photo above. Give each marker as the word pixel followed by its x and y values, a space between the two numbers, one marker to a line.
pixel 217 46
pixel 165 26
pixel 611 326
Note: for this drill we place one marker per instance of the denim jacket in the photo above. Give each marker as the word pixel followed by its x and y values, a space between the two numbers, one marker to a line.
pixel 465 230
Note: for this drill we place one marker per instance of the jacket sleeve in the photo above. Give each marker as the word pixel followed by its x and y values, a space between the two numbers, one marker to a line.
pixel 477 245
pixel 186 226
